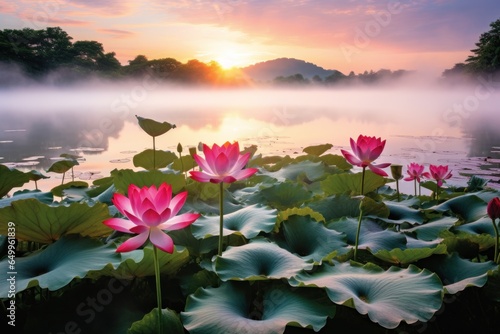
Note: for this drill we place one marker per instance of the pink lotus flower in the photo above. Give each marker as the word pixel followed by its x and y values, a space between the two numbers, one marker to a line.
pixel 150 211
pixel 222 164
pixel 366 150
pixel 415 172
pixel 493 208
pixel 439 173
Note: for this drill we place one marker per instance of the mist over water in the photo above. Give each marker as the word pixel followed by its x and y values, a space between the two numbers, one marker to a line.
pixel 422 123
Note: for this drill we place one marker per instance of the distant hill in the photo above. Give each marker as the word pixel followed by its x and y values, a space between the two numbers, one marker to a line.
pixel 269 70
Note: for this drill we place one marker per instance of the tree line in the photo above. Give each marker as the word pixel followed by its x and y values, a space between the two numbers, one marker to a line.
pixel 45 51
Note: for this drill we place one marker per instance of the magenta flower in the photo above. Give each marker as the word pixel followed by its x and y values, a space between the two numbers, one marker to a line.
pixel 150 212
pixel 222 164
pixel 439 173
pixel 415 172
pixel 366 150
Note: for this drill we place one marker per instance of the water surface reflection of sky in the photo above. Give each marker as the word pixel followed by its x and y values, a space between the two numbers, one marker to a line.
pixel 422 125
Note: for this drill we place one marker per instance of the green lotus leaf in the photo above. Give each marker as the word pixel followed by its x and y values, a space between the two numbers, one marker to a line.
pixel 336 160
pixel 149 324
pixel 400 213
pixel 371 235
pixel 42 223
pixel 480 226
pixel 337 206
pixel 431 230
pixel 467 245
pixel 457 274
pixel 226 310
pixel 153 159
pixel 185 163
pixel 351 183
pixel 124 177
pixel 400 257
pixel 249 222
pixel 44 197
pixel 492 288
pixel 286 195
pixel 373 208
pixel 62 188
pixel 305 211
pixel 62 166
pixel 59 263
pixel 387 296
pixel 11 178
pixel 311 240
pixel 154 128
pixel 258 260
pixel 468 207
pixel 317 150
pixel 139 263
pixel 35 175
pixel 313 171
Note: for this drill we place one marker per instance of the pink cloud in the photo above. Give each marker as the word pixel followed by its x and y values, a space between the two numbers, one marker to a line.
pixel 117 33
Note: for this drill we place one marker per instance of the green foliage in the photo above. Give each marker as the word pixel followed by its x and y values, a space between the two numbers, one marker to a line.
pixel 151 160
pixel 11 178
pixel 289 233
pixel 154 128
pixel 149 324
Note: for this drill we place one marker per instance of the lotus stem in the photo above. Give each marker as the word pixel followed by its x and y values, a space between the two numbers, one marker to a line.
pixel 154 153
pixel 496 258
pixel 158 287
pixel 397 189
pixel 363 181
pixel 356 242
pixel 221 214
pixel 415 186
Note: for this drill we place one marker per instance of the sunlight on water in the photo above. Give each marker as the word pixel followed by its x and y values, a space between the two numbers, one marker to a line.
pixel 421 124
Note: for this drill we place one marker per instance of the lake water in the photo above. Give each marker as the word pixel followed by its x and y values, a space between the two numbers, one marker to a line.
pixel 458 127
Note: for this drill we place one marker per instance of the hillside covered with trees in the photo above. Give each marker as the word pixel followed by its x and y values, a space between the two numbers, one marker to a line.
pixel 51 52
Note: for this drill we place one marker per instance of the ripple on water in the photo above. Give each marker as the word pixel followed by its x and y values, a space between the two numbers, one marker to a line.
pixel 119 161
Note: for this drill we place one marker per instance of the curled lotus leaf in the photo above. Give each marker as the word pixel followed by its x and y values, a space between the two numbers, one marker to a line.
pixel 258 260
pixel 225 309
pixel 154 128
pixel 59 263
pixel 388 297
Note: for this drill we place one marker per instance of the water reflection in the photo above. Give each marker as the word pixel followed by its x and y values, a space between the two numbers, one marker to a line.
pixel 99 124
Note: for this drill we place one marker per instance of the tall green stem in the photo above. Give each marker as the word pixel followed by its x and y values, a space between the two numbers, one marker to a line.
pixel 357 232
pixel 397 189
pixel 415 186
pixel 154 153
pixel 221 214
pixel 158 287
pixel 363 181
pixel 496 258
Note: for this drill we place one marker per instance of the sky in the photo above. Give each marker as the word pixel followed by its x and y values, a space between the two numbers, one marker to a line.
pixel 347 35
